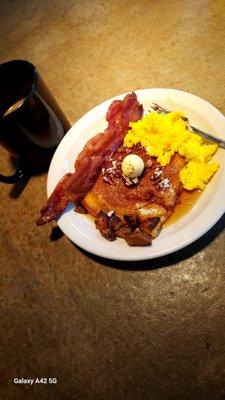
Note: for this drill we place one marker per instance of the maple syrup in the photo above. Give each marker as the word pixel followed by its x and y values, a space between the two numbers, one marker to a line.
pixel 187 201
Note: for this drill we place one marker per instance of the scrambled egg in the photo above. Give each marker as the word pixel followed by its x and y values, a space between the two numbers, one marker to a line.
pixel 164 134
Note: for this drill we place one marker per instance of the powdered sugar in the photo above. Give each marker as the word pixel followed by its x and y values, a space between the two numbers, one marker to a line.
pixel 165 183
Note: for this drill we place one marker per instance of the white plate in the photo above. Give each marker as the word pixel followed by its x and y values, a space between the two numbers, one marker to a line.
pixel 205 213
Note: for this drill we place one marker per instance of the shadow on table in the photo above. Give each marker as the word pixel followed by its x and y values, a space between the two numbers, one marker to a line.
pixel 167 260
pixel 17 188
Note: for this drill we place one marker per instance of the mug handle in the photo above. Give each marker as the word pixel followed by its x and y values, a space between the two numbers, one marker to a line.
pixel 17 176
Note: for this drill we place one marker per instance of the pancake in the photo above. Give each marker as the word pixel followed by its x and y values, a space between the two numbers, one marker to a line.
pixel 152 196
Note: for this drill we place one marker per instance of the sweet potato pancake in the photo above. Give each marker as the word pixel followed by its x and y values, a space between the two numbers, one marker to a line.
pixel 134 209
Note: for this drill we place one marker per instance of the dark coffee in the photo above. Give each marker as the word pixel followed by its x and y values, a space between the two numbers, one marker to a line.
pixel 31 122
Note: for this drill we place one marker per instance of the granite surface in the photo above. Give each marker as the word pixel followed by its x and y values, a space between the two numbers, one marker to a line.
pixel 107 330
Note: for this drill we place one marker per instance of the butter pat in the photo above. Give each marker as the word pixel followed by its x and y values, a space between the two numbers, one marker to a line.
pixel 132 166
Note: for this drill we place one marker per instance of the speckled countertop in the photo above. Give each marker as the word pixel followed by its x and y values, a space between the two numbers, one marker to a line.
pixel 106 330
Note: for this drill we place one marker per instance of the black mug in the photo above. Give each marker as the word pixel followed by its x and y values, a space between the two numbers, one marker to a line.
pixel 31 122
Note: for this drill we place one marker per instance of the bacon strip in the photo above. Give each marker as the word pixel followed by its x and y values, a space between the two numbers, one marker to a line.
pixel 89 162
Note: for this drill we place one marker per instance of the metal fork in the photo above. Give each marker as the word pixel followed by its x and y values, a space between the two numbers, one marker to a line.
pixel 208 136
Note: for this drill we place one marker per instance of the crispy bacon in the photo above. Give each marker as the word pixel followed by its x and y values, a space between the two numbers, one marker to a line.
pixel 89 162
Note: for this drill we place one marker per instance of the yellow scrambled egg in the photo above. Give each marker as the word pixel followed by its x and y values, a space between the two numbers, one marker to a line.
pixel 164 134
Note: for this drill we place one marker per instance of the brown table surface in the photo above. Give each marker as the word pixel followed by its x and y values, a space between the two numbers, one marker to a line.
pixel 107 330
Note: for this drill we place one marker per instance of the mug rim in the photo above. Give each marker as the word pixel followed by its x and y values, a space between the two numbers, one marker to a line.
pixel 34 83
